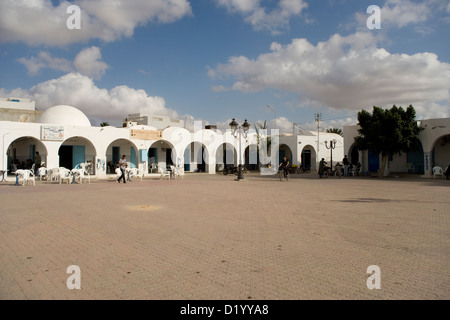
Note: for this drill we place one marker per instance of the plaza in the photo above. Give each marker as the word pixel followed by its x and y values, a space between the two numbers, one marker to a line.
pixel 212 237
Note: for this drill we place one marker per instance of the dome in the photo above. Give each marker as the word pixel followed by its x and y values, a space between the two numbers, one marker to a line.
pixel 64 115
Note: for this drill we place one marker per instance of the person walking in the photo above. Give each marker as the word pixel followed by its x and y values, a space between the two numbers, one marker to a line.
pixel 37 162
pixel 123 167
pixel 346 164
pixel 322 164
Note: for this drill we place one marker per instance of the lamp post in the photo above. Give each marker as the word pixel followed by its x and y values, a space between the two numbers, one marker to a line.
pixel 331 147
pixel 235 131
pixel 274 116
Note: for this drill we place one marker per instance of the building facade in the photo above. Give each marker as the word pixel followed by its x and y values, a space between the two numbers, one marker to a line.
pixel 434 150
pixel 64 137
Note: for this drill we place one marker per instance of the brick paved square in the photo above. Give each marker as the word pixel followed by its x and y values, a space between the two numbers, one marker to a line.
pixel 211 237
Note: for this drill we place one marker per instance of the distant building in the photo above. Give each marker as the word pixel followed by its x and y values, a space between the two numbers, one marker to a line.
pixel 434 150
pixel 158 122
pixel 18 109
pixel 64 137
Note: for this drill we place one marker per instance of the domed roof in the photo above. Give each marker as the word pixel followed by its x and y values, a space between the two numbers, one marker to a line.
pixel 64 115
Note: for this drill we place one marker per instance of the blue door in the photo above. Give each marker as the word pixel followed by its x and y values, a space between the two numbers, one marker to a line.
pixel 78 156
pixel 374 161
pixel 133 158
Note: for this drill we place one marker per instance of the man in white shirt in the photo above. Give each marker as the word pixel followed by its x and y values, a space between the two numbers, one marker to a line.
pixel 123 167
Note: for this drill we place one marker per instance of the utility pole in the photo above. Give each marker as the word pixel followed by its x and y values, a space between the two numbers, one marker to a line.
pixel 318 118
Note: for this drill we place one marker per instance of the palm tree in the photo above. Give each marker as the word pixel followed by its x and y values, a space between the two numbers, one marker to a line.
pixel 258 127
pixel 336 130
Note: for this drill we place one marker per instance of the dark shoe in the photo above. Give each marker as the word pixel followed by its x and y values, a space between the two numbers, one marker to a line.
pixel 118 181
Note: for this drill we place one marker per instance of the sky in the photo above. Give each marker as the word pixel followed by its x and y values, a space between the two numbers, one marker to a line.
pixel 214 60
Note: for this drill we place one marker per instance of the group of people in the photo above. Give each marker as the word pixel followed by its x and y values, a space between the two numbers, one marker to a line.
pixel 28 164
pixel 348 167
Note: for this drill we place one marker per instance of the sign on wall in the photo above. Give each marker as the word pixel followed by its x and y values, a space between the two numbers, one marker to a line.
pixel 145 134
pixel 52 133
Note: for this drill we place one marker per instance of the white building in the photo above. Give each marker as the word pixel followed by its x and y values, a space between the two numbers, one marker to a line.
pixel 64 137
pixel 434 150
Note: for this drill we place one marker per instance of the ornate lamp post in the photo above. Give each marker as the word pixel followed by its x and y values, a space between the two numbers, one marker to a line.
pixel 331 147
pixel 237 130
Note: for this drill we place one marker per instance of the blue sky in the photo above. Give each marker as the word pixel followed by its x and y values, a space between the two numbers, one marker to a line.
pixel 214 60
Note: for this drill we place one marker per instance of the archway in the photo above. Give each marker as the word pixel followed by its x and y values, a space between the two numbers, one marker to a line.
pixel 354 155
pixel 285 151
pixel 195 157
pixel 415 160
pixel 441 152
pixel 77 150
pixel 115 151
pixel 226 154
pixel 162 153
pixel 252 157
pixel 309 158
pixel 21 153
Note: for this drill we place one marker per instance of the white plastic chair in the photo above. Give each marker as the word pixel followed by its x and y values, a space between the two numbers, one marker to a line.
pixel 84 174
pixel 64 174
pixel 164 173
pixel 42 172
pixel 153 166
pixel 136 173
pixel 437 171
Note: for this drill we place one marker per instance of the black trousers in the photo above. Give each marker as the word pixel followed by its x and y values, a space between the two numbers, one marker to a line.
pixel 122 176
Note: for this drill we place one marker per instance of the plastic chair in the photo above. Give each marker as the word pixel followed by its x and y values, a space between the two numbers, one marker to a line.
pixel 153 166
pixel 42 172
pixel 437 171
pixel 410 167
pixel 64 174
pixel 164 173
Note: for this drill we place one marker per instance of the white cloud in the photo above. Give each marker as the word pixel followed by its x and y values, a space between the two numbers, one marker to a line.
pixel 343 73
pixel 45 60
pixel 39 22
pixel 80 91
pixel 88 62
pixel 402 13
pixel 219 88
pixel 260 17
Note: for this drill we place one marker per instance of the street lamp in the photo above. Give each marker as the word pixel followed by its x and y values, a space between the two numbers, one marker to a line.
pixel 331 147
pixel 235 131
pixel 274 116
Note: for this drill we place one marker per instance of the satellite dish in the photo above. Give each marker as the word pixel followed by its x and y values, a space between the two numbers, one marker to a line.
pixel 23 118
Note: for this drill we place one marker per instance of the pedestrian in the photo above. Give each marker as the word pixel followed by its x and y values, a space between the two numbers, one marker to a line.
pixel 322 164
pixel 123 167
pixel 345 163
pixel 447 172
pixel 37 162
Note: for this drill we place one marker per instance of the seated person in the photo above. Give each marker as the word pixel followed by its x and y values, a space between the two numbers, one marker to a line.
pixel 358 168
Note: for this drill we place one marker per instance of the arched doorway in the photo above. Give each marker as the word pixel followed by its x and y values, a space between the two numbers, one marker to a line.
pixel 441 152
pixel 77 150
pixel 195 157
pixel 252 157
pixel 308 158
pixel 116 150
pixel 161 153
pixel 285 151
pixel 354 155
pixel 416 160
pixel 21 153
pixel 226 154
